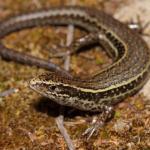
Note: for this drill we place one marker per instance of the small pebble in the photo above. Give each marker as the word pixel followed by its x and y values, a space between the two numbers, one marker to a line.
pixel 122 126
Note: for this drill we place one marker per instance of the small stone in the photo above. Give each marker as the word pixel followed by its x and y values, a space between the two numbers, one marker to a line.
pixel 122 126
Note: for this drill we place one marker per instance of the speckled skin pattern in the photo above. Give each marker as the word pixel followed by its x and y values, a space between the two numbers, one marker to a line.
pixel 124 77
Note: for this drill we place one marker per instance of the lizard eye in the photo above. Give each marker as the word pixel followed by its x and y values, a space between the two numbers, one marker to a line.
pixel 52 88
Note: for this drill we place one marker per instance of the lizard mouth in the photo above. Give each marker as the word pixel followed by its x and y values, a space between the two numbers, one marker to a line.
pixel 33 84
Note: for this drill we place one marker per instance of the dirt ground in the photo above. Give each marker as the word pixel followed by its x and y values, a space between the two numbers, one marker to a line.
pixel 27 120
